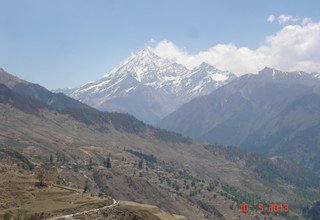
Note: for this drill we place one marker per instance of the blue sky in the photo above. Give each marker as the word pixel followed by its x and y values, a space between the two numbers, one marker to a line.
pixel 63 43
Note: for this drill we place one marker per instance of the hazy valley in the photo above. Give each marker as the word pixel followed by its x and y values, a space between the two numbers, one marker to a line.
pixel 115 156
pixel 273 112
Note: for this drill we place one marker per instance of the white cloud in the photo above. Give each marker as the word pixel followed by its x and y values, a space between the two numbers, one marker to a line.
pixel 294 47
pixel 282 19
pixel 271 18
pixel 152 40
pixel 306 21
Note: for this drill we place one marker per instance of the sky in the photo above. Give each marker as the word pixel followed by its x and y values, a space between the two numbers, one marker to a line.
pixel 61 44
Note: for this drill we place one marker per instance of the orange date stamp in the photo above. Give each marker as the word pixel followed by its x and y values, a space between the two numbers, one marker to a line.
pixel 265 208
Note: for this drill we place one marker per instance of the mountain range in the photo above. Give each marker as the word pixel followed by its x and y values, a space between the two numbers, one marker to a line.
pixel 149 87
pixel 273 112
pixel 71 140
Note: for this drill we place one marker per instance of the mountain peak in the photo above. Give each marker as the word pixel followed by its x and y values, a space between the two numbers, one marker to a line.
pixel 206 66
pixel 157 85
pixel 271 72
pixel 147 56
pixel 267 68
pixel 284 77
pixel 147 52
pixel 275 72
pixel 144 62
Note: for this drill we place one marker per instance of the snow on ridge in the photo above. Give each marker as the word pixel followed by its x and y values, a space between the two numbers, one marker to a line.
pixel 199 86
pixel 148 69
pixel 218 77
pixel 316 75
pixel 146 62
pixel 129 89
pixel 94 86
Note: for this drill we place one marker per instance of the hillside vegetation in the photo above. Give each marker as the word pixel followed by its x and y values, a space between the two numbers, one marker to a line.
pixel 116 155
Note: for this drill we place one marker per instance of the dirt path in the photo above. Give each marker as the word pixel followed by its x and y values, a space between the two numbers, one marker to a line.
pixel 71 216
pixel 66 188
pixel 129 205
pixel 154 210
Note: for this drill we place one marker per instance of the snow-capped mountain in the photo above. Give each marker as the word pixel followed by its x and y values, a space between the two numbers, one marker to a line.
pixel 284 77
pixel 202 80
pixel 149 86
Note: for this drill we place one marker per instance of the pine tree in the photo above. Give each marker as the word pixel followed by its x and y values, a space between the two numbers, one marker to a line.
pixel 41 176
pixel 86 187
pixel 7 215
pixel 140 165
pixel 107 162
pixel 58 156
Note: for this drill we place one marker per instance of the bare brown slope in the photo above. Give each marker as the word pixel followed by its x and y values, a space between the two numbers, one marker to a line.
pixel 20 198
pixel 53 130
pixel 47 133
pixel 38 136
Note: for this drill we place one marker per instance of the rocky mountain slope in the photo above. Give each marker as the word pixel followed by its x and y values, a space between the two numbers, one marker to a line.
pixel 150 87
pixel 272 112
pixel 148 165
pixel 39 93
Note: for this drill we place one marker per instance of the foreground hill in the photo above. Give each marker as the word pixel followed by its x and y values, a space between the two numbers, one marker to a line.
pixel 147 165
pixel 273 112
pixel 17 188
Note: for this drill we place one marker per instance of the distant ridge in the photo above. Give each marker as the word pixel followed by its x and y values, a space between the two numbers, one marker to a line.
pixel 272 112
pixel 31 98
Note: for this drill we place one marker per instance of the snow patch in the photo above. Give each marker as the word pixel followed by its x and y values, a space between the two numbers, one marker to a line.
pixel 218 77
pixel 129 89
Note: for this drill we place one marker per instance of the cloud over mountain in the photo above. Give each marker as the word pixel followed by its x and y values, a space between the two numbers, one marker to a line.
pixel 294 47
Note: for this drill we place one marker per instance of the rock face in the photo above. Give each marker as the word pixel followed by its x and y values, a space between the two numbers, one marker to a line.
pixel 150 87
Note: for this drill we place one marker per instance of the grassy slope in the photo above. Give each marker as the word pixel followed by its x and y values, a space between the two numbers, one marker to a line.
pixel 84 134
pixel 53 132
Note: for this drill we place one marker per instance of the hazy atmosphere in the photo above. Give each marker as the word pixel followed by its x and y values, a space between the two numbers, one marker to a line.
pixel 159 110
pixel 80 41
